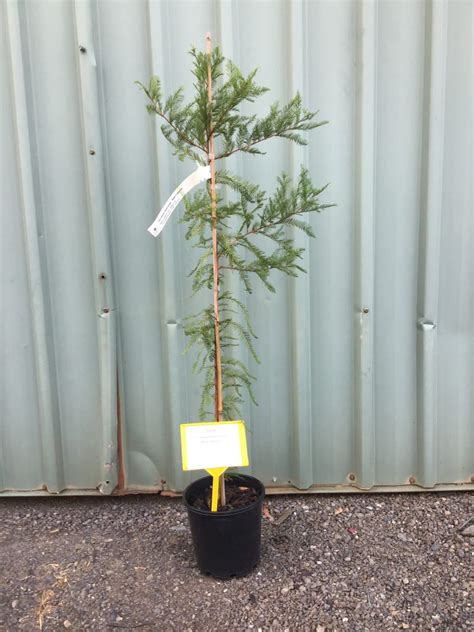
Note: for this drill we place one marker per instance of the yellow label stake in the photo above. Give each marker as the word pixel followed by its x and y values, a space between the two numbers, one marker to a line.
pixel 215 472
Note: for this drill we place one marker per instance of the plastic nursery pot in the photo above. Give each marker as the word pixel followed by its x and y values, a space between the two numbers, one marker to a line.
pixel 227 543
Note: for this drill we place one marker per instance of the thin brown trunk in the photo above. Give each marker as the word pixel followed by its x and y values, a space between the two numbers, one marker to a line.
pixel 215 261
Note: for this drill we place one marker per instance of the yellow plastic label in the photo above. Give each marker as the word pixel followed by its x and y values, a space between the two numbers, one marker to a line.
pixel 211 445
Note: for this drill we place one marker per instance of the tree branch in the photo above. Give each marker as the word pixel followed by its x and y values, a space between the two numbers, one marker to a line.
pixel 246 147
pixel 259 140
pixel 264 227
pixel 179 132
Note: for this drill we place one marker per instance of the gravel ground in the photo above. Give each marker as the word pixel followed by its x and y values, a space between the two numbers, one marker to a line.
pixel 365 562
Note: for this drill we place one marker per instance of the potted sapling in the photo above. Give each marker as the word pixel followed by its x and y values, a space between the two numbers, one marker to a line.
pixel 227 233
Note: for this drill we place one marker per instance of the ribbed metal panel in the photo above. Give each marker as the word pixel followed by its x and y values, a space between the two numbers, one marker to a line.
pixel 367 375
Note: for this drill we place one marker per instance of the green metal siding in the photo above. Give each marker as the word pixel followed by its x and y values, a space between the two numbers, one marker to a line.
pixel 367 373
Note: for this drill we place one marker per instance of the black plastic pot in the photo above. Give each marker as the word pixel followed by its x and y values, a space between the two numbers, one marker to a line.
pixel 227 543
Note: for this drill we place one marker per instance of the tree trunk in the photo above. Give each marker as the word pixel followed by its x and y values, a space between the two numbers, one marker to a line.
pixel 215 263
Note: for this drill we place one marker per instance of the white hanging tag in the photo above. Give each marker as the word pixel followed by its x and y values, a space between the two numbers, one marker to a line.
pixel 202 173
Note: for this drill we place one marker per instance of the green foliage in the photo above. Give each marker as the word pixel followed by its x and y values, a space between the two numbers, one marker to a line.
pixel 243 220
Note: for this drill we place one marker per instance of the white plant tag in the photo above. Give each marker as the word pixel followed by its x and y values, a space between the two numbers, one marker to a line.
pixel 201 174
pixel 215 444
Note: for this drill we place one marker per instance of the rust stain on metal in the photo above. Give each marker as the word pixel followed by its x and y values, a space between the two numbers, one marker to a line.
pixel 169 494
pixel 269 491
pixel 120 489
pixel 138 490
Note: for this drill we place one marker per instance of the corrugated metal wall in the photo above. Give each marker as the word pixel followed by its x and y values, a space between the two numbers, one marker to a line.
pixel 367 377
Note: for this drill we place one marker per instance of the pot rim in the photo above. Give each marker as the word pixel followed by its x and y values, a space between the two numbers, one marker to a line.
pixel 259 488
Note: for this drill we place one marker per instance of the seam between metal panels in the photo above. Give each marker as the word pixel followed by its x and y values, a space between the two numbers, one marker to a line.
pixel 169 283
pixel 49 426
pixel 122 452
pixel 101 260
pixel 365 247
pixel 300 314
pixel 430 234
pixel 3 443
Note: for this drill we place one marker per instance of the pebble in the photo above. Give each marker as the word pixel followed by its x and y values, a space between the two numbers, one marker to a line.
pixel 372 583
pixel 67 623
pixel 468 531
pixel 14 603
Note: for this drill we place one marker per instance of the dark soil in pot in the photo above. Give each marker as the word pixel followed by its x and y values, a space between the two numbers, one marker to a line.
pixel 226 542
pixel 237 496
